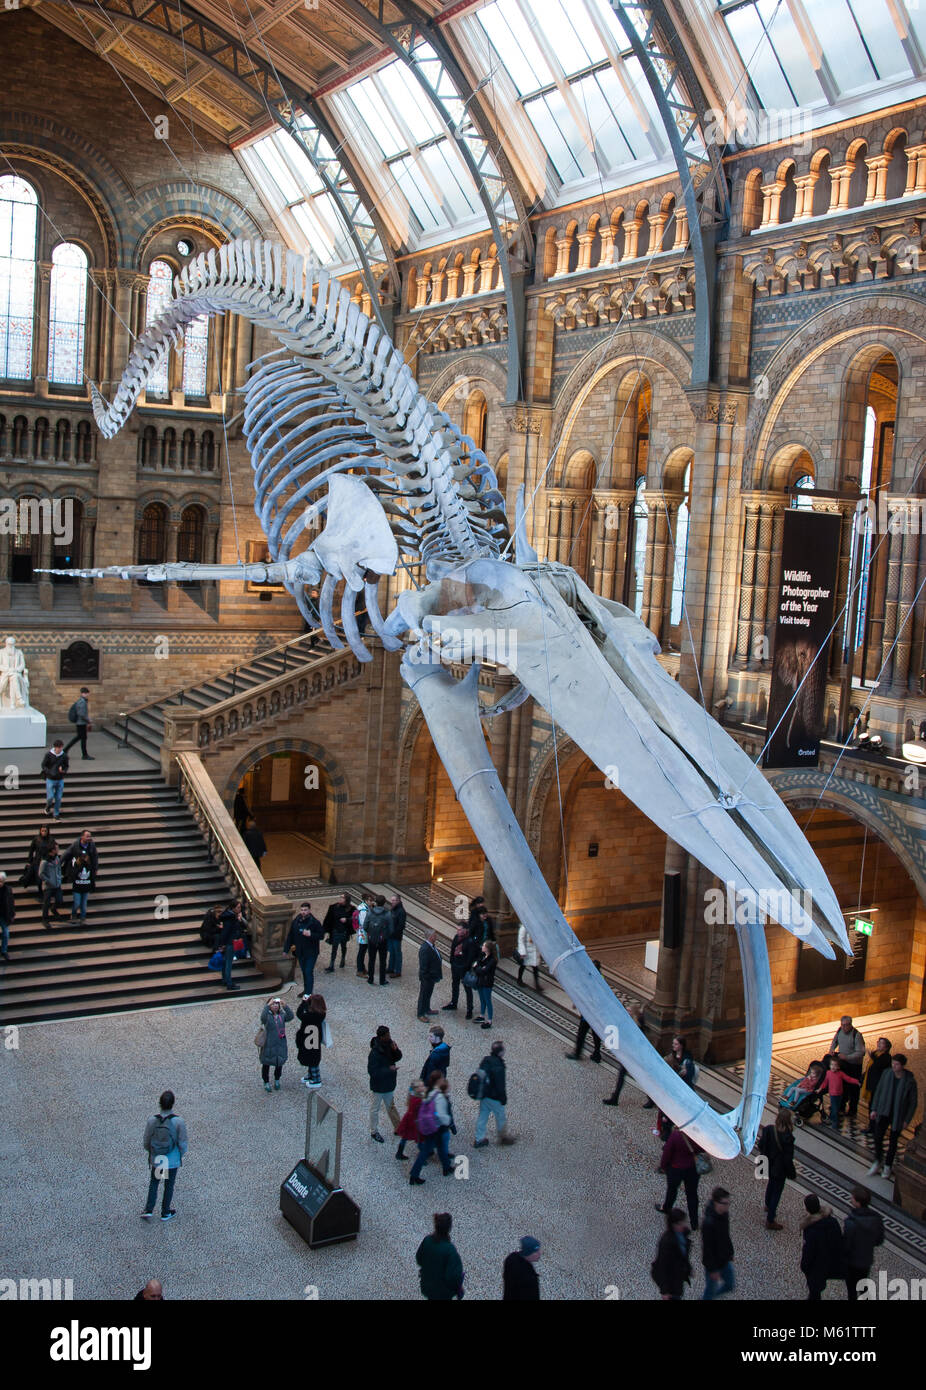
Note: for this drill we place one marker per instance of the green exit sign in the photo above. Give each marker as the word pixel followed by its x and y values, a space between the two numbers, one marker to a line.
pixel 862 927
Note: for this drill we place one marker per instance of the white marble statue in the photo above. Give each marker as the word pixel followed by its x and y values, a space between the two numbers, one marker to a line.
pixel 14 678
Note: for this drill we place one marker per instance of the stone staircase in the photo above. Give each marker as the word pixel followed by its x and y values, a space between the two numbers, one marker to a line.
pixel 143 729
pixel 124 958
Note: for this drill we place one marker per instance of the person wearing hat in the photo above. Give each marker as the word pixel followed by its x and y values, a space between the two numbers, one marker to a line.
pixel 520 1282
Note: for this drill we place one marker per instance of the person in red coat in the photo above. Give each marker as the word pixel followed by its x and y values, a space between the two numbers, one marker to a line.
pixel 679 1164
pixel 408 1125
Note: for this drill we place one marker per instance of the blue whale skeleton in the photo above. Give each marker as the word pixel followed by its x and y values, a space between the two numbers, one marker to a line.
pixel 337 429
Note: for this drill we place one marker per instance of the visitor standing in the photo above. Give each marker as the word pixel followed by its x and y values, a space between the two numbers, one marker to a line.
pixel 254 841
pixel 519 1275
pixel 823 1255
pixel 493 1097
pixel 379 929
pixel 39 848
pixel 527 957
pixel 716 1245
pixel 879 1064
pixel 893 1107
pixel 399 918
pixel 81 887
pixel 776 1145
pixel 408 1128
pixel 359 924
pixel 438 1059
pixel 312 1014
pixel 165 1143
pixel 863 1231
pixel 241 811
pixel 79 715
pixel 679 1163
pixel 440 1266
pixel 275 1049
pixel 55 767
pixel 382 1066
pixel 463 953
pixel 485 968
pixel 304 942
pixel 671 1269
pixel 338 928
pixel 430 970
pixel 84 844
pixel 849 1045
pixel 232 931
pixel 7 914
pixel 835 1084
pixel 50 878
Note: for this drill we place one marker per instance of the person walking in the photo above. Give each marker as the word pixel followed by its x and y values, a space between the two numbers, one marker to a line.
pixel 55 767
pixel 438 1059
pixel 232 930
pixel 527 957
pixel 382 1065
pixel 408 1127
pixel 493 1099
pixel 835 1084
pixel 312 1014
pixel 254 841
pixel 463 954
pixel 716 1246
pixel 679 1163
pixel 399 918
pixel 823 1255
pixel 636 1013
pixel 582 1033
pixel 863 1231
pixel 84 844
pixel 776 1145
pixel 359 924
pixel 304 942
pixel 39 848
pixel 165 1143
pixel 50 878
pixel 379 929
pixel 81 887
pixel 519 1275
pixel 430 971
pixel 849 1045
pixel 7 914
pixel 440 1266
pixel 337 925
pixel 892 1108
pixel 671 1269
pixel 274 1017
pixel 879 1064
pixel 485 968
pixel 434 1122
pixel 79 715
pixel 241 812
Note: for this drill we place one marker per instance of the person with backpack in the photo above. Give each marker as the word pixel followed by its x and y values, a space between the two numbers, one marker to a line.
pixel 7 914
pixel 435 1124
pixel 55 767
pixel 50 879
pixel 519 1277
pixel 823 1255
pixel 438 1059
pixel 79 715
pixel 776 1145
pixel 165 1143
pixel 312 1014
pixel 488 1085
pixel 716 1246
pixel 408 1128
pixel 40 847
pixel 379 929
pixel 275 1049
pixel 337 925
pixel 485 968
pixel 862 1231
pixel 441 1269
pixel 671 1269
pixel 399 918
pixel 382 1064
pixel 679 1163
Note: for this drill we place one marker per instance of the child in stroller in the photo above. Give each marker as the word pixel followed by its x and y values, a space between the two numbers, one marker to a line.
pixel 803 1097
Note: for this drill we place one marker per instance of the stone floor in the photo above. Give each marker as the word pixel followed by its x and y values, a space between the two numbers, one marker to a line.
pixel 76 1095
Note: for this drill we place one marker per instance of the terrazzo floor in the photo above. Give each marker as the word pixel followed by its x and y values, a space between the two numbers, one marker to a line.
pixel 76 1095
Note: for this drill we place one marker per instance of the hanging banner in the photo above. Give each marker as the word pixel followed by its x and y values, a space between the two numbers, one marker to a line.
pixel 800 644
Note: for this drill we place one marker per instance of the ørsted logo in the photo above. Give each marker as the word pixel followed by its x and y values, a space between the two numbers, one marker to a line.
pixel 76 1343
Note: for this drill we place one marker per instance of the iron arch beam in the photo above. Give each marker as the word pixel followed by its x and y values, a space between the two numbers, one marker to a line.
pixel 295 113
pixel 680 102
pixel 445 85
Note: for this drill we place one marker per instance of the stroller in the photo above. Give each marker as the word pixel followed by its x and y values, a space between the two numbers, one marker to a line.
pixel 802 1103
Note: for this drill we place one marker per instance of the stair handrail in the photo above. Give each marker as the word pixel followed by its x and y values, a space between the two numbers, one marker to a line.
pixel 258 656
pixel 266 687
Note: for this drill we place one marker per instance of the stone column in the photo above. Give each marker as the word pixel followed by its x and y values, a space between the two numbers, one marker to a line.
pixel 610 529
pixel 563 246
pixel 86 587
pixel 805 184
pixel 916 169
pixel 652 522
pixel 5 588
pixel 763 604
pixel 771 204
pixel 847 509
pixel 877 178
pixel 46 561
pixel 681 227
pixel 631 238
pixel 904 648
pixel 40 338
pixel 171 591
pixel 743 651
pixel 840 178
pixel 895 543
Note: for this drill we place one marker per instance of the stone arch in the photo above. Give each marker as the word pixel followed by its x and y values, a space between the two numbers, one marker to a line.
pixel 476 367
pixel 190 203
pixel 338 786
pixel 780 471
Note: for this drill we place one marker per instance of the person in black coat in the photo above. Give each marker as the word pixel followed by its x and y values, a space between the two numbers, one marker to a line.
pixel 716 1245
pixel 776 1145
pixel 241 811
pixel 40 847
pixel 430 971
pixel 485 967
pixel 232 928
pixel 519 1277
pixel 7 913
pixel 863 1231
pixel 338 928
pixel 304 941
pixel 823 1253
pixel 55 767
pixel 210 927
pixel 463 954
pixel 311 1014
pixel 399 918
pixel 671 1269
pixel 84 844
pixel 256 844
pixel 381 1069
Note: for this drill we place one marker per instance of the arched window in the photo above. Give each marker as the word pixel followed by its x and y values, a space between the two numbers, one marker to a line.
pixel 83 451
pixel 195 357
pixel 680 567
pixel 169 448
pixel 67 314
pixel 20 437
pixel 475 419
pixel 152 535
pixel 640 527
pixel 63 440
pixel 190 535
pixel 804 499
pixel 148 447
pixel 18 221
pixel 40 438
pixel 158 383
pixel 188 450
pixel 27 541
pixel 207 452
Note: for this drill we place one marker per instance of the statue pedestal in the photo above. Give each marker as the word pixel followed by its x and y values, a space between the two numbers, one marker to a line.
pixel 22 728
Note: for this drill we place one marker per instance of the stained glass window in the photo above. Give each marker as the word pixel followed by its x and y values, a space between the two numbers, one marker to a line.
pixel 680 566
pixel 158 383
pixel 195 356
pixel 67 315
pixel 18 219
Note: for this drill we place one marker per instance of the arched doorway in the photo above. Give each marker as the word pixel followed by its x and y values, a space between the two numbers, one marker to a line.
pixel 290 796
